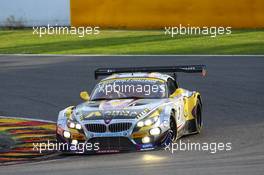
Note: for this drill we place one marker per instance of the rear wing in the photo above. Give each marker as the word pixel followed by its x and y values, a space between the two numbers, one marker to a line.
pixel 163 69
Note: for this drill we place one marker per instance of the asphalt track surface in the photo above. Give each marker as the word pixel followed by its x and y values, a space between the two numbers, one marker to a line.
pixel 38 87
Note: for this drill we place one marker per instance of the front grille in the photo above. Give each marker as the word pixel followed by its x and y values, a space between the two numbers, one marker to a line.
pixel 119 127
pixel 113 143
pixel 99 128
pixel 115 127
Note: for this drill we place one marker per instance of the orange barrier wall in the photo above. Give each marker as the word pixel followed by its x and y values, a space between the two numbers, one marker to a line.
pixel 160 13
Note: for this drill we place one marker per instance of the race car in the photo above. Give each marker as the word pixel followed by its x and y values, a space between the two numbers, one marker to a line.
pixel 139 109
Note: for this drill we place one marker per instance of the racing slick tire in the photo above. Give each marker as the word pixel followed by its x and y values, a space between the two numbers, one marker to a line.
pixel 173 127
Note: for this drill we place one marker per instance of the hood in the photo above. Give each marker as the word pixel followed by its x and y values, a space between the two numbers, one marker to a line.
pixel 116 109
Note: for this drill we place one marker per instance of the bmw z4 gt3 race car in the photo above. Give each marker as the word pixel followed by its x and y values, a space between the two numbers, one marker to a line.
pixel 132 109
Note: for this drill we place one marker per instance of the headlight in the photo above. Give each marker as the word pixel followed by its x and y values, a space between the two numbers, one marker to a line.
pixel 148 122
pixel 67 134
pixel 74 125
pixel 74 142
pixel 146 139
pixel 152 119
pixel 71 121
pixel 78 126
pixel 71 125
pixel 155 131
pixel 140 124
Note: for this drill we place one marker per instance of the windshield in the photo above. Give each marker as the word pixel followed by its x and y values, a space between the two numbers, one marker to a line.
pixel 129 88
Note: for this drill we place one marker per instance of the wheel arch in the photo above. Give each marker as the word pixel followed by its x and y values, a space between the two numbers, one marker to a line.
pixel 200 99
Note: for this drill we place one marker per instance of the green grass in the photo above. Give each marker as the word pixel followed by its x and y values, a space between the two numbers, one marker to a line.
pixel 131 42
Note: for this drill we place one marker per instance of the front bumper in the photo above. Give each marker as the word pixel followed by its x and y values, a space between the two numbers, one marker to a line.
pixel 109 145
pixel 110 142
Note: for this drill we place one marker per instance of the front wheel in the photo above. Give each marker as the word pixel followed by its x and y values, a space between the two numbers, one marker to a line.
pixel 173 127
pixel 171 135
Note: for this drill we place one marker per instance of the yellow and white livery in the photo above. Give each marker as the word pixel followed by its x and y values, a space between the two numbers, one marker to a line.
pixel 133 109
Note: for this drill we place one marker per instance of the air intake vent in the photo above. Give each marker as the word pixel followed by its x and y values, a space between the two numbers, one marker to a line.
pixel 118 127
pixel 113 143
pixel 99 128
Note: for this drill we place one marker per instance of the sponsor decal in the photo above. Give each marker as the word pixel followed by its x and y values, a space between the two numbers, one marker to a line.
pixel 108 134
pixel 115 104
pixel 92 114
pixel 149 145
pixel 126 113
pixel 112 114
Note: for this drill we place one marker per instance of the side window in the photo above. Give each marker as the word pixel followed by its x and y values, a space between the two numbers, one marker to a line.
pixel 172 86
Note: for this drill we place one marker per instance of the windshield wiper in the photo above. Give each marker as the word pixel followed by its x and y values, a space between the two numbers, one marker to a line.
pixel 130 98
pixel 97 99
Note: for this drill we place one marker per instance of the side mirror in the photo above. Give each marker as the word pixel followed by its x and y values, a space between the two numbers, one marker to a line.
pixel 84 95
